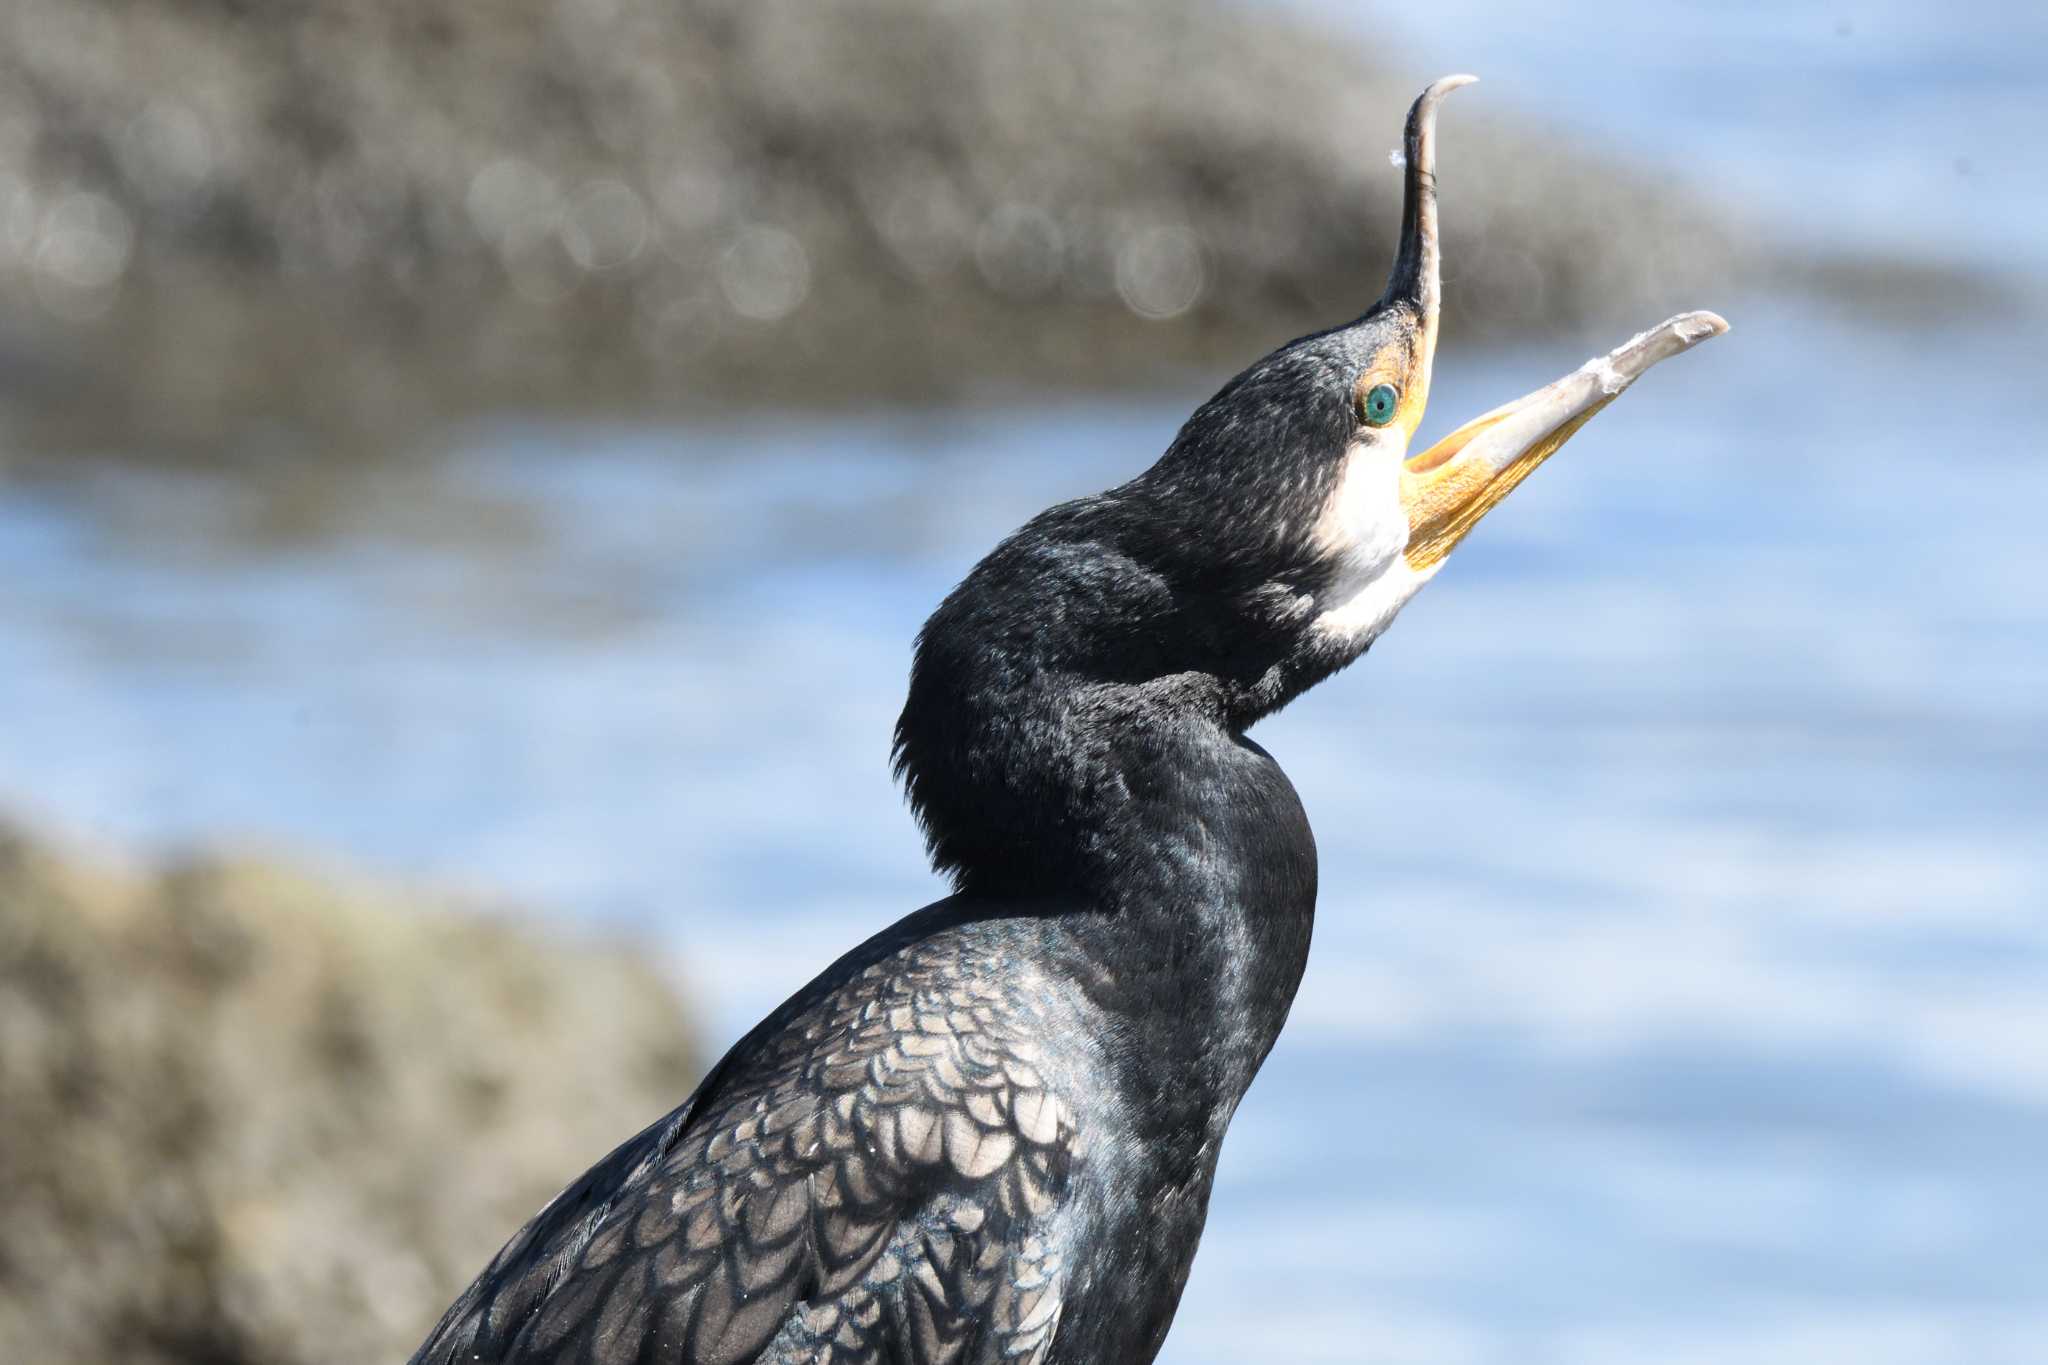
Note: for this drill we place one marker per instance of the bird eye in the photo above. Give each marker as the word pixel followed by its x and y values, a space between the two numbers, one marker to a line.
pixel 1380 404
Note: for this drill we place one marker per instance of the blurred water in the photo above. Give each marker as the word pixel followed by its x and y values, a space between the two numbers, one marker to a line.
pixel 1681 982
pixel 1885 125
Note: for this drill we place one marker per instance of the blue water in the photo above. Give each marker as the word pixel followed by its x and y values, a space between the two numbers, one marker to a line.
pixel 1681 981
pixel 1880 125
pixel 1680 989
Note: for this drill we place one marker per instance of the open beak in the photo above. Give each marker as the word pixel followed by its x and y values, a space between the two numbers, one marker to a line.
pixel 1447 488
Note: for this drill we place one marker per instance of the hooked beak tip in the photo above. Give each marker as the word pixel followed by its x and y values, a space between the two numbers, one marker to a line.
pixel 1668 338
pixel 1422 114
pixel 1698 325
pixel 1416 272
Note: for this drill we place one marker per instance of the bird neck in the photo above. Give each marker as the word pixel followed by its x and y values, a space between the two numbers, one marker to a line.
pixel 1060 758
pixel 1215 888
pixel 1179 864
pixel 1033 783
pixel 1062 695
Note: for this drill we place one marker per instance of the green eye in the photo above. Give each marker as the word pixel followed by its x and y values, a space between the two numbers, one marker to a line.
pixel 1380 405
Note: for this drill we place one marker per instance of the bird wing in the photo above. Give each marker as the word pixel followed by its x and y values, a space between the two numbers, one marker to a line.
pixel 870 1175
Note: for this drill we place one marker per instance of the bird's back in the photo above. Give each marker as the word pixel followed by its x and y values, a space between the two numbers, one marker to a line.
pixel 878 1172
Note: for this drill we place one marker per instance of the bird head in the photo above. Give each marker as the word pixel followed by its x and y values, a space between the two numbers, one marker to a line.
pixel 1301 470
pixel 1282 530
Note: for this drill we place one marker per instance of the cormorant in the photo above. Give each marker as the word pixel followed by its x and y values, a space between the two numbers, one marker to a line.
pixel 988 1133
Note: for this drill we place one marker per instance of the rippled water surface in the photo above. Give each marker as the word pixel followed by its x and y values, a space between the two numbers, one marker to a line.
pixel 1681 979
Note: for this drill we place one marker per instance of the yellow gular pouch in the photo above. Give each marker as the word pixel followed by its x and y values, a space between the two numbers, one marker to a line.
pixel 1447 488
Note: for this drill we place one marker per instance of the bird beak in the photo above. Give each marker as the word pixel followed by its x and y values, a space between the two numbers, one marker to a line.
pixel 1447 488
pixel 1418 260
pixel 1415 285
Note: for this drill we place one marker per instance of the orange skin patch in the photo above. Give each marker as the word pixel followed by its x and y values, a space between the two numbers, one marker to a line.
pixel 1407 369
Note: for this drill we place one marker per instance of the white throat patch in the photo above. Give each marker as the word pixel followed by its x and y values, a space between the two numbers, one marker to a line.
pixel 1366 527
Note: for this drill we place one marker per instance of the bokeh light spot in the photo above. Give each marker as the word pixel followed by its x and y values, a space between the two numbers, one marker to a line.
pixel 86 242
pixel 765 274
pixel 509 193
pixel 605 226
pixel 1160 272
pixel 168 152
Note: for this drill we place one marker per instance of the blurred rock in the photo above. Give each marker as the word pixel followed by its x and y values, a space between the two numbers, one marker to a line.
pixel 251 1116
pixel 365 213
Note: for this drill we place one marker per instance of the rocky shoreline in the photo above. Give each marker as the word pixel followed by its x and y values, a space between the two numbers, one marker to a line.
pixel 358 216
pixel 259 1116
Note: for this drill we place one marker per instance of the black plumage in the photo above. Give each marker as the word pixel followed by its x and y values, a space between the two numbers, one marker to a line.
pixel 988 1133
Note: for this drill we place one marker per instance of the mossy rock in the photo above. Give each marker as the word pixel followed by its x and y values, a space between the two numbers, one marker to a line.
pixel 354 216
pixel 249 1114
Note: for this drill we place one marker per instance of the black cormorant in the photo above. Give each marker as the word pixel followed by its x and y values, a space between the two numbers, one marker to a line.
pixel 988 1133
